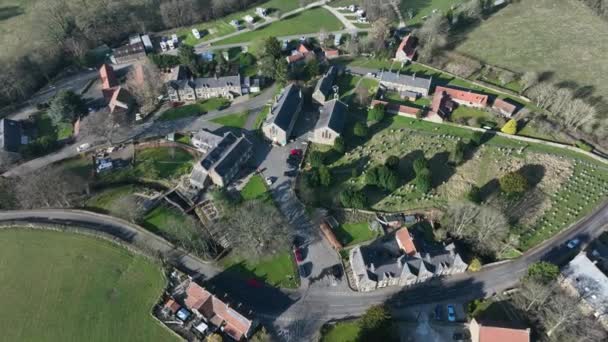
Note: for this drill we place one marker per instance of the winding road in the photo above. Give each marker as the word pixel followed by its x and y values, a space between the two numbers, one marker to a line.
pixel 303 311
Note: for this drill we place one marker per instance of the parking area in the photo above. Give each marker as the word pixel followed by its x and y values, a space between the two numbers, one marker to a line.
pixel 433 323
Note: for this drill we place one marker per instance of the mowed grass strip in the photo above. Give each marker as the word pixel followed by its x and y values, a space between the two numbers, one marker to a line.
pixel 277 270
pixel 347 331
pixel 66 287
pixel 254 189
pixel 353 233
pixel 237 120
pixel 194 109
pixel 301 23
pixel 532 35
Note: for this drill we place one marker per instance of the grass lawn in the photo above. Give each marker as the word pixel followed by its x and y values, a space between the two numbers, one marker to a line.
pixel 237 120
pixel 167 221
pixel 255 188
pixel 424 8
pixel 194 109
pixel 568 184
pixel 462 112
pixel 532 35
pixel 347 331
pixel 70 287
pixel 278 270
pixel 163 162
pixel 354 233
pixel 184 139
pixel 304 22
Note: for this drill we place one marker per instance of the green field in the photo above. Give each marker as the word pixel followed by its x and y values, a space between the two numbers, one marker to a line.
pixel 254 189
pixel 354 233
pixel 237 120
pixel 278 270
pixel 304 22
pixel 194 109
pixel 67 287
pixel 532 36
pixel 347 331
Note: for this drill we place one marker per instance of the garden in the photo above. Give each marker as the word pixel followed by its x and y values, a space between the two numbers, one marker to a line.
pixel 102 291
pixel 565 185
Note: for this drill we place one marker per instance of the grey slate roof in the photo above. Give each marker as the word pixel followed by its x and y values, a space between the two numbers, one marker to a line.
pixel 10 135
pixel 326 82
pixel 282 113
pixel 236 152
pixel 332 115
pixel 219 82
pixel 410 80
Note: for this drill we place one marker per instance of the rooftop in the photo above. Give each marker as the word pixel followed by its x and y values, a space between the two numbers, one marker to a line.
pixel 326 82
pixel 332 115
pixel 404 79
pixel 129 49
pixel 282 112
pixel 590 282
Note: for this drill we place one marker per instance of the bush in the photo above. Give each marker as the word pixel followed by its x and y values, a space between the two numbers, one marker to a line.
pixel 474 195
pixel 513 182
pixel 353 199
pixel 423 181
pixel 316 159
pixel 420 164
pixel 382 177
pixel 510 127
pixel 324 176
pixel 339 145
pixel 360 130
pixel 475 265
pixel 376 114
pixel 392 162
pixel 376 324
pixel 543 271
pixel 584 146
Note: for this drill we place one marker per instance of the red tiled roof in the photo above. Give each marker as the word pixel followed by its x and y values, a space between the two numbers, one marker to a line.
pixel 303 49
pixel 464 95
pixel 408 46
pixel 331 52
pixel 294 58
pixel 405 241
pixel 396 108
pixel 217 312
pixel 496 334
pixel 172 305
pixel 108 79
pixel 504 106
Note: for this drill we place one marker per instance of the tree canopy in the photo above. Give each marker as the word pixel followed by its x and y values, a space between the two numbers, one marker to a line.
pixel 382 177
pixel 376 113
pixel 351 198
pixel 513 182
pixel 360 129
pixel 542 271
pixel 66 106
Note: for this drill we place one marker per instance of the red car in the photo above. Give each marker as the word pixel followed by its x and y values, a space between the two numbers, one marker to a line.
pixel 298 253
pixel 296 152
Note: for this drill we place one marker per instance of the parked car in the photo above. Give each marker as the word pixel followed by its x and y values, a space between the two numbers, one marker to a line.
pixel 438 313
pixel 83 147
pixel 573 243
pixel 298 254
pixel 295 152
pixel 451 313
pixel 269 180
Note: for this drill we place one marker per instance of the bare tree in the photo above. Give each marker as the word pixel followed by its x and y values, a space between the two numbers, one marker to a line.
pixel 563 96
pixel 533 294
pixel 362 95
pixel 543 94
pixel 432 35
pixel 577 114
pixel 529 79
pixel 99 125
pixel 175 13
pixel 145 83
pixel 379 33
pixel 50 187
pixel 460 217
pixel 255 228
pixel 560 312
pixel 376 9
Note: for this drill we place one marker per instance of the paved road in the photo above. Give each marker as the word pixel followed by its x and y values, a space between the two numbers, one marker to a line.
pixel 302 312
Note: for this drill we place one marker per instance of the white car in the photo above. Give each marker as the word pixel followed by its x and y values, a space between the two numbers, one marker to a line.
pixel 83 147
pixel 269 181
pixel 573 243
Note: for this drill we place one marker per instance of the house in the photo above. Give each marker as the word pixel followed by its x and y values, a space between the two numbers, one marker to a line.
pixel 331 122
pixel 171 307
pixel 409 85
pixel 108 81
pixel 406 52
pixel 397 109
pixel 394 260
pixel 446 99
pixel 583 278
pixel 249 19
pixel 262 12
pixel 176 73
pixel 204 88
pixel 504 107
pixel 223 158
pixel 217 313
pixel 331 53
pixel 11 135
pixel 299 54
pixel 492 333
pixel 283 115
pixel 121 101
pixel 324 88
pixel 128 53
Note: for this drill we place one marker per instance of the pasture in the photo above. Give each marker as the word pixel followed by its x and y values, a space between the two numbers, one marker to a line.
pixel 68 287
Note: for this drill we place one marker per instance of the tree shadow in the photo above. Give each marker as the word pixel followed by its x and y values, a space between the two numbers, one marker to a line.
pixel 533 173
pixel 406 165
pixel 441 171
pixel 489 189
pixel 8 12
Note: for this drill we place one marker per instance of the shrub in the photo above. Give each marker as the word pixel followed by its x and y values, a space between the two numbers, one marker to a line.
pixel 423 181
pixel 475 265
pixel 360 129
pixel 419 114
pixel 316 159
pixel 392 162
pixel 543 271
pixel 324 176
pixel 420 164
pixel 353 199
pixel 339 145
pixel 376 113
pixel 510 127
pixel 513 182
